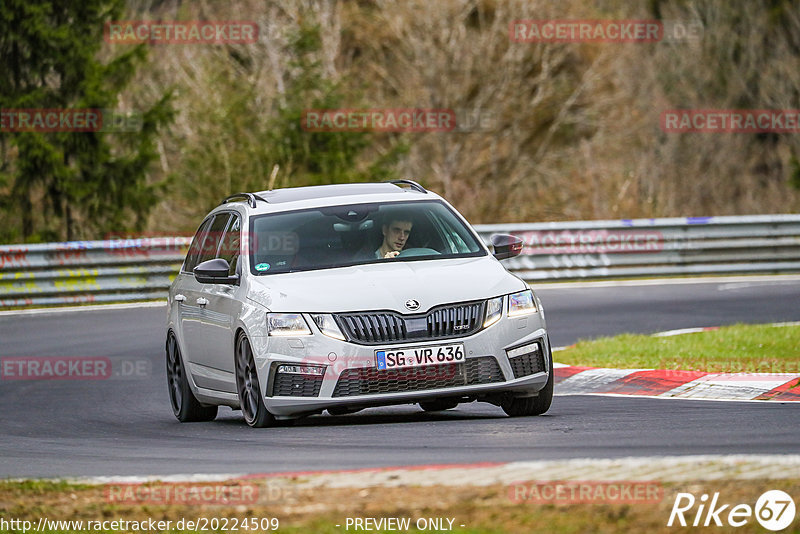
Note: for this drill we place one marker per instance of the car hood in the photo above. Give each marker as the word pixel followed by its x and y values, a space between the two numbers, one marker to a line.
pixel 385 286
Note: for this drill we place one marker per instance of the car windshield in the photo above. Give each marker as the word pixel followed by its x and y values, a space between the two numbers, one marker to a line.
pixel 354 234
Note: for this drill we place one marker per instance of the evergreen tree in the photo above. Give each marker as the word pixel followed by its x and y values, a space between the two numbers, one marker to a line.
pixel 70 185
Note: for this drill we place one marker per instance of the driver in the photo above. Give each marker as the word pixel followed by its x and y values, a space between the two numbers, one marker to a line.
pixel 395 236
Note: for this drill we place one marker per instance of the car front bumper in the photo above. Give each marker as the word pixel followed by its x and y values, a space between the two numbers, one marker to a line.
pixel 351 380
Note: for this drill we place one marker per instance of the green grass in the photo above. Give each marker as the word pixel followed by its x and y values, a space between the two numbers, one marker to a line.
pixel 41 486
pixel 481 509
pixel 731 349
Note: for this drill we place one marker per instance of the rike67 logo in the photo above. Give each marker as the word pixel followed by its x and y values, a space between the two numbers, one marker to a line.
pixel 774 510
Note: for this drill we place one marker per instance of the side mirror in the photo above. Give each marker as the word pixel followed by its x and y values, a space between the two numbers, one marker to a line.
pixel 506 246
pixel 215 272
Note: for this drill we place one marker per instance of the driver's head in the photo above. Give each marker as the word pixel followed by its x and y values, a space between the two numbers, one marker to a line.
pixel 395 233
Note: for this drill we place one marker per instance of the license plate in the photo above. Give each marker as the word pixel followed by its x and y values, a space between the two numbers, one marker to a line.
pixel 418 356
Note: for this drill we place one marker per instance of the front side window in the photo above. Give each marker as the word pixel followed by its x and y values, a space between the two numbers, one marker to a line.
pixel 206 241
pixel 231 242
pixel 338 236
pixel 194 249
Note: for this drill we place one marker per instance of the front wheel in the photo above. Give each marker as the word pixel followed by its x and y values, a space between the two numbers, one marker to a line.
pixel 250 399
pixel 517 407
pixel 185 405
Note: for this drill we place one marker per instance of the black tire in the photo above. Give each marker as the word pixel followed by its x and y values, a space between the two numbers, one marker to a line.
pixel 185 405
pixel 520 407
pixel 438 405
pixel 251 401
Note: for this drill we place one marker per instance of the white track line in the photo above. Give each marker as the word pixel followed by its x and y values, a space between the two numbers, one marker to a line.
pixel 661 397
pixel 777 278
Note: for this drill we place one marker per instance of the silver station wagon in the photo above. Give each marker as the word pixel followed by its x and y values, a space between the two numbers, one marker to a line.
pixel 344 297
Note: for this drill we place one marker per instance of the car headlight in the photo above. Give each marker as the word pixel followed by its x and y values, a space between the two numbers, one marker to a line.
pixel 287 324
pixel 327 325
pixel 521 303
pixel 494 310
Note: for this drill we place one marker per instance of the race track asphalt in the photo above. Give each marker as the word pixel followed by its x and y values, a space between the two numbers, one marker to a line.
pixel 124 426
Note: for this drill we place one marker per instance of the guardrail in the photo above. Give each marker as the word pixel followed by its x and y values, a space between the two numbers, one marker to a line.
pixel 142 269
pixel 654 247
pixel 89 271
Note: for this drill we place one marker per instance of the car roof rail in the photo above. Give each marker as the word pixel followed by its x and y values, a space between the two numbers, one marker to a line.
pixel 414 185
pixel 250 197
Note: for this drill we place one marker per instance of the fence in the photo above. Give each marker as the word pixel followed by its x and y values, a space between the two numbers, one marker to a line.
pixel 654 247
pixel 89 271
pixel 142 269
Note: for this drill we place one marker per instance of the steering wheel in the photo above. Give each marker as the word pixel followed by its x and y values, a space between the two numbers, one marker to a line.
pixel 410 252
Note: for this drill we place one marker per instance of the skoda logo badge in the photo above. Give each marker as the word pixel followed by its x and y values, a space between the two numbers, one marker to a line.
pixel 412 304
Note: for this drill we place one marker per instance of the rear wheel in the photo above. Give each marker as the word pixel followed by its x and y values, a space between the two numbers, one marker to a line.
pixel 516 407
pixel 438 405
pixel 250 398
pixel 185 405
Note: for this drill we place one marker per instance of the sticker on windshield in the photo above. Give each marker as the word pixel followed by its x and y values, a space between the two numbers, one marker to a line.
pixel 262 267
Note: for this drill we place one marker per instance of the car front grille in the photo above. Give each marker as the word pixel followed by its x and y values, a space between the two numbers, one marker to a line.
pixel 452 320
pixel 370 381
pixel 528 364
pixel 295 385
